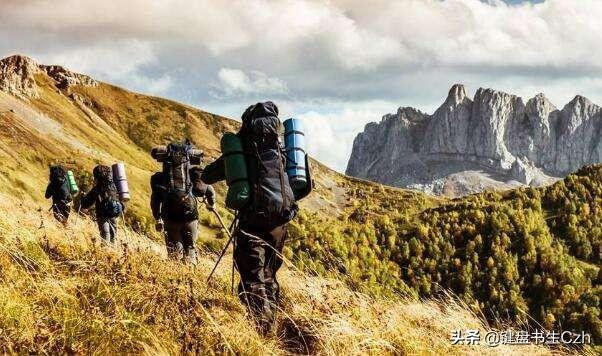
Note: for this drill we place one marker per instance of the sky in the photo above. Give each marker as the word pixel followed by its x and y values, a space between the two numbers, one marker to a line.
pixel 335 64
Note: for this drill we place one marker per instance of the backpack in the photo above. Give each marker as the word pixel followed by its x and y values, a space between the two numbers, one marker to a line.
pixel 58 174
pixel 179 203
pixel 107 204
pixel 272 200
pixel 58 179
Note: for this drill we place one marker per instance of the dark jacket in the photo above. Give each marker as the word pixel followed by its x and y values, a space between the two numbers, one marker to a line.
pixel 159 196
pixel 95 197
pixel 59 192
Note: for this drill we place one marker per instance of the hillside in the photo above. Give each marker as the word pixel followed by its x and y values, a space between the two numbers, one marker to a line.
pixel 530 255
pixel 391 245
pixel 49 114
pixel 60 293
pixel 494 140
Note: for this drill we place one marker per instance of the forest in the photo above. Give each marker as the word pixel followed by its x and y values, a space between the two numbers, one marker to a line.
pixel 529 256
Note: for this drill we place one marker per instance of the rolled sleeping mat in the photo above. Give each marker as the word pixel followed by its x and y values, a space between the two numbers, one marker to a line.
pixel 159 153
pixel 121 181
pixel 294 146
pixel 73 189
pixel 237 179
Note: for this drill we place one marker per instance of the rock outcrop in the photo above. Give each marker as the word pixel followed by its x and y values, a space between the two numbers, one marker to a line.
pixel 18 76
pixel 495 136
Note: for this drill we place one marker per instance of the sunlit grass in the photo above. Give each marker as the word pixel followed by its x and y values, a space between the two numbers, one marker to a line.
pixel 62 292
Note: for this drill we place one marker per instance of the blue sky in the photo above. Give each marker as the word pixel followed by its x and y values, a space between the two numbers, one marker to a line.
pixel 335 64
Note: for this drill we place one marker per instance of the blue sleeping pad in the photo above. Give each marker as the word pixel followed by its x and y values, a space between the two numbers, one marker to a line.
pixel 294 145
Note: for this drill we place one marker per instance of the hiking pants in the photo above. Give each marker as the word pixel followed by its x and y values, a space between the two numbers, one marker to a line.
pixel 257 257
pixel 180 240
pixel 107 228
pixel 61 212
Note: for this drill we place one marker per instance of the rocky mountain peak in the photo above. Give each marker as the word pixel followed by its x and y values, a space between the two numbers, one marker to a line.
pixel 580 103
pixel 456 95
pixel 18 62
pixel 17 76
pixel 540 103
pixel 485 95
pixel 495 135
pixel 65 78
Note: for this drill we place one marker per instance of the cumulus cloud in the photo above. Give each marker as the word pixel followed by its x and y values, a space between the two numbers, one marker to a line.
pixel 120 61
pixel 317 56
pixel 235 82
pixel 330 134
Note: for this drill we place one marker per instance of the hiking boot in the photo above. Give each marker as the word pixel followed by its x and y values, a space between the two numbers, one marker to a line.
pixel 191 256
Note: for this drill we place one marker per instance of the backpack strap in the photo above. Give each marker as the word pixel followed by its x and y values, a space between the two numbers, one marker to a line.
pixel 281 176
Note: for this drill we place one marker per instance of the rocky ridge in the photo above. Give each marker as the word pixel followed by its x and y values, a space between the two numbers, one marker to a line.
pixel 17 76
pixel 495 136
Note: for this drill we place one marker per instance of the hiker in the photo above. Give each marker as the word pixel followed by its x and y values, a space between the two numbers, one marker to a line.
pixel 58 190
pixel 262 228
pixel 105 197
pixel 174 199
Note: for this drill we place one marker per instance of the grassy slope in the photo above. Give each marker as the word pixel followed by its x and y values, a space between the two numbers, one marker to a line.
pixel 60 292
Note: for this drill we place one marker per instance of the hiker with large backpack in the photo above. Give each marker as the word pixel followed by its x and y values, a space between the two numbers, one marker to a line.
pixel 253 163
pixel 58 190
pixel 174 198
pixel 105 198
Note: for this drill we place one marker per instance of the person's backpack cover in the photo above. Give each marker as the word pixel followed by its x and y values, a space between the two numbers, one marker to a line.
pixel 58 178
pixel 179 203
pixel 108 204
pixel 272 201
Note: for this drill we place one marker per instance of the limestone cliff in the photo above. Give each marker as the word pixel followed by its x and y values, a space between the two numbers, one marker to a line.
pixel 494 140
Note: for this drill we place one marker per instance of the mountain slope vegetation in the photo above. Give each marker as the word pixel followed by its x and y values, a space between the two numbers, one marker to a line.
pixel 388 246
pixel 530 255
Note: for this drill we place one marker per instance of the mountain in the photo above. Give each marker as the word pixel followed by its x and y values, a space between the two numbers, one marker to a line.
pixel 494 140
pixel 369 268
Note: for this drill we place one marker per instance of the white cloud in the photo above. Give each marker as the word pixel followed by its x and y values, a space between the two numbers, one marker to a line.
pixel 237 83
pixel 330 135
pixel 335 63
pixel 113 60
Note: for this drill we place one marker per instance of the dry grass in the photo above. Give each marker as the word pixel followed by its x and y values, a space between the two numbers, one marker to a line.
pixel 62 292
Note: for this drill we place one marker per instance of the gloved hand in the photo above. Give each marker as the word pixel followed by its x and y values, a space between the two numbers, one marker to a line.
pixel 159 225
pixel 210 206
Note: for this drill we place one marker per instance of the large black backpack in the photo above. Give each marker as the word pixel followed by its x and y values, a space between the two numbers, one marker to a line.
pixel 272 201
pixel 179 203
pixel 60 186
pixel 107 201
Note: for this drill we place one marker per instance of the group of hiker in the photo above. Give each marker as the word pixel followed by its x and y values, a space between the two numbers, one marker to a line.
pixel 107 199
pixel 265 178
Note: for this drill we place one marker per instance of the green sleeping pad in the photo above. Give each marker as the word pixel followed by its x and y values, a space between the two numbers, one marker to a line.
pixel 236 172
pixel 71 182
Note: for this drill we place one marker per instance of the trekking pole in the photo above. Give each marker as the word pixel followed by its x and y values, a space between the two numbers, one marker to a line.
pixel 219 258
pixel 79 208
pixel 221 221
pixel 231 234
pixel 125 230
pixel 233 263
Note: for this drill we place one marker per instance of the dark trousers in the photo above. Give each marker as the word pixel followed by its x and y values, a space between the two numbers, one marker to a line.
pixel 107 228
pixel 180 238
pixel 61 212
pixel 257 257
